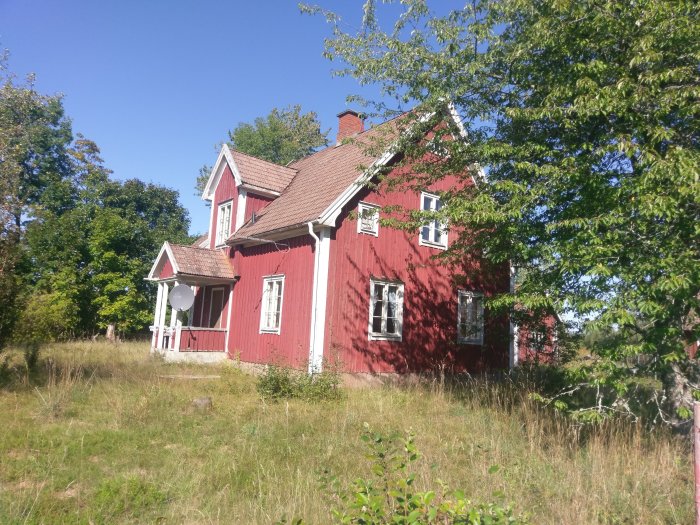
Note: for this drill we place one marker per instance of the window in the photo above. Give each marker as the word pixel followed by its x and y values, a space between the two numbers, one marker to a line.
pixel 271 312
pixel 434 233
pixel 470 318
pixel 386 310
pixel 224 227
pixel 368 219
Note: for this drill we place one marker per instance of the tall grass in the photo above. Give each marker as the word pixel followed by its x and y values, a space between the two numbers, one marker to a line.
pixel 99 434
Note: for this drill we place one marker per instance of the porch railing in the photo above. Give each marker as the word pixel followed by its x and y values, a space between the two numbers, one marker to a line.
pixel 189 339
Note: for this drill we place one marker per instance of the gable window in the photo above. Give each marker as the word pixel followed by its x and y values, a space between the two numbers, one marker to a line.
pixel 470 317
pixel 385 310
pixel 368 219
pixel 433 233
pixel 223 228
pixel 271 311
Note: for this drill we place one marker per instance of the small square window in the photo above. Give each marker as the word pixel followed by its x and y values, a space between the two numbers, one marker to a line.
pixel 224 224
pixel 434 233
pixel 386 310
pixel 368 219
pixel 470 317
pixel 271 311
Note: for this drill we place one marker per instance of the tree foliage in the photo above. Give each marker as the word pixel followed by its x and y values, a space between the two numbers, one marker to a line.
pixel 283 136
pixel 584 115
pixel 75 245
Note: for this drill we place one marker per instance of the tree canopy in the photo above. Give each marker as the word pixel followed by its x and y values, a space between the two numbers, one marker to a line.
pixel 585 117
pixel 283 136
pixel 75 245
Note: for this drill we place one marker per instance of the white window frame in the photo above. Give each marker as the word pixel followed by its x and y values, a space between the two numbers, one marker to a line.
pixel 223 230
pixel 372 213
pixel 383 335
pixel 464 295
pixel 434 224
pixel 264 304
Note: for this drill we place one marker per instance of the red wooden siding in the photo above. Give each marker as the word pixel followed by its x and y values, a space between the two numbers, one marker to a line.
pixel 226 190
pixel 294 259
pixel 167 270
pixel 203 340
pixel 255 203
pixel 430 299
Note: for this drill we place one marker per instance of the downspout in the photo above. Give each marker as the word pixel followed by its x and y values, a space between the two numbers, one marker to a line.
pixel 314 299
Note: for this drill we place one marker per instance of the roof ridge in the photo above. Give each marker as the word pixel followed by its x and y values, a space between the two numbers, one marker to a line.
pixel 258 158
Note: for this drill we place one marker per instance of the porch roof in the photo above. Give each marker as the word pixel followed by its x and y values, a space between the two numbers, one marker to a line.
pixel 192 261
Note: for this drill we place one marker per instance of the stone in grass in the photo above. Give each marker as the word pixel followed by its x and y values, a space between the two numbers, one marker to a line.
pixel 202 403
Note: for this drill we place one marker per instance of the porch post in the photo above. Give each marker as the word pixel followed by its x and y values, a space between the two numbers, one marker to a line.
pixel 161 317
pixel 174 321
pixel 156 315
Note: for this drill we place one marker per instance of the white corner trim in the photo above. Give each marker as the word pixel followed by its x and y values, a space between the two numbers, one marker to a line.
pixel 224 158
pixel 240 208
pixel 513 349
pixel 319 297
pixel 230 316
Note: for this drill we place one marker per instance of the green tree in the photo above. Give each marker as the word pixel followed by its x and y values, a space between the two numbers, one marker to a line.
pixel 95 256
pixel 283 136
pixel 585 116
pixel 34 176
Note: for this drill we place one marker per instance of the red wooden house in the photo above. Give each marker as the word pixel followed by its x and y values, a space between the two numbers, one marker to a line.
pixel 297 269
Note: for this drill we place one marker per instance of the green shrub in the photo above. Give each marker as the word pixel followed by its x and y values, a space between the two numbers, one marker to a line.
pixel 279 382
pixel 389 496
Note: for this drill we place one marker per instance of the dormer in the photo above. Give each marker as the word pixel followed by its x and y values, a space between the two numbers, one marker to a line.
pixel 240 185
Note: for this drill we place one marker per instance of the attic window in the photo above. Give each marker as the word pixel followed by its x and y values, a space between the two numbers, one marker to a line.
pixel 368 219
pixel 224 225
pixel 434 233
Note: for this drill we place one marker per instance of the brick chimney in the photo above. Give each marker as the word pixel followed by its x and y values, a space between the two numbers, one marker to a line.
pixel 349 124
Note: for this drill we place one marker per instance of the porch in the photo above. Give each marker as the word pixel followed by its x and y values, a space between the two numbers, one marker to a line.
pixel 199 330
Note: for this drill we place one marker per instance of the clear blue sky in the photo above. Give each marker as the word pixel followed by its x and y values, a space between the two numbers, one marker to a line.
pixel 157 84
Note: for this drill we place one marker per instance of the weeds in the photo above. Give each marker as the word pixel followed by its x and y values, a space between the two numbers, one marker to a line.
pixel 279 382
pixel 114 417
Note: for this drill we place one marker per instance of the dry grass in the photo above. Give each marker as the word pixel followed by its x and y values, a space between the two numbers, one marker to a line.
pixel 97 436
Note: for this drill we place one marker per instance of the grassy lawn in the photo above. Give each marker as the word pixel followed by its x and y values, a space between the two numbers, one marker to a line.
pixel 99 436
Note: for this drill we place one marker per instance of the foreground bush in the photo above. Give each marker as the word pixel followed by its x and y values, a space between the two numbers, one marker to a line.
pixel 390 496
pixel 280 382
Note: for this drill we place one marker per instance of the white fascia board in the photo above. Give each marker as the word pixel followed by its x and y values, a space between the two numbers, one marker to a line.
pixel 480 174
pixel 329 216
pixel 258 190
pixel 224 158
pixel 165 250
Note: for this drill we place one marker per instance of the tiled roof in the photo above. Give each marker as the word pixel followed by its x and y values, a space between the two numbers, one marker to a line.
pixel 202 262
pixel 199 241
pixel 262 173
pixel 321 178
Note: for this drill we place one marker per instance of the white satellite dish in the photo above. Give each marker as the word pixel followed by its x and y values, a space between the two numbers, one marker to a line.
pixel 181 297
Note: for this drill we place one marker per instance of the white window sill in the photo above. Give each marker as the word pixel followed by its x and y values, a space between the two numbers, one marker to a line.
pixel 429 244
pixel 373 234
pixel 270 331
pixel 384 337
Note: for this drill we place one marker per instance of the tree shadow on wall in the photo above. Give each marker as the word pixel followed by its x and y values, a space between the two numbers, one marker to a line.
pixel 429 338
